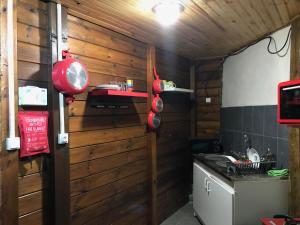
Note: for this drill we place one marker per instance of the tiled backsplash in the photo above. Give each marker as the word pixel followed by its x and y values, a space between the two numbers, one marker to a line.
pixel 260 125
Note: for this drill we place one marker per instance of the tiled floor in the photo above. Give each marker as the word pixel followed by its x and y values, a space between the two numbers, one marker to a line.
pixel 183 216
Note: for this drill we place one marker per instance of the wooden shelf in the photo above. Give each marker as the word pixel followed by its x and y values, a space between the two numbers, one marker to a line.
pixel 100 92
pixel 183 90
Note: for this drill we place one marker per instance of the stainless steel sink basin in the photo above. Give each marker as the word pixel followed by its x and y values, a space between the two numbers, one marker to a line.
pixel 216 157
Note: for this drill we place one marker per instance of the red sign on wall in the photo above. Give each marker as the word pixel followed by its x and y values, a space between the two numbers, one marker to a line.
pixel 33 127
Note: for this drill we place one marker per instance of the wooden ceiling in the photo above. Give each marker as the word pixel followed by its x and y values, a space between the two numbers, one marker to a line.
pixel 206 28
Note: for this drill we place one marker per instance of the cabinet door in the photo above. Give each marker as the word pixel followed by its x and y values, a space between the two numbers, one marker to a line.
pixel 220 197
pixel 200 195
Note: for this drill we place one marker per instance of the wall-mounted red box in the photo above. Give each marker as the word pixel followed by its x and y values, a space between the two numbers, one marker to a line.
pixel 289 102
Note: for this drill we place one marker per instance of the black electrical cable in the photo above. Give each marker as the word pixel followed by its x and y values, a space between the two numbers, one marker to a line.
pixel 270 38
pixel 278 51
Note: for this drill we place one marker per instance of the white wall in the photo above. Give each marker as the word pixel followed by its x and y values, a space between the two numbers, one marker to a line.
pixel 251 78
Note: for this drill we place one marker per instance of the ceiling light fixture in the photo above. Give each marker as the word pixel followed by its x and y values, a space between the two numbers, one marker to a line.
pixel 167 11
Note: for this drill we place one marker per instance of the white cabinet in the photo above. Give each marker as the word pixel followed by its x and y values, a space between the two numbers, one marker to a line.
pixel 221 202
pixel 200 194
pixel 218 201
pixel 213 199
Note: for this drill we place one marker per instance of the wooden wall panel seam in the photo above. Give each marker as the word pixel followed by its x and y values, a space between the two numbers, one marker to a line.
pixel 91 60
pixel 113 175
pixel 86 153
pixel 85 169
pixel 110 48
pixel 90 161
pixel 96 188
pixel 106 54
pixel 208 85
pixel 88 198
pixel 110 35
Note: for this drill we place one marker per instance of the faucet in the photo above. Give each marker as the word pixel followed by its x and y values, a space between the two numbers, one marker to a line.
pixel 247 141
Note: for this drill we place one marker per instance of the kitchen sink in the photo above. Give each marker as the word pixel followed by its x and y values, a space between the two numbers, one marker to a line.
pixel 216 157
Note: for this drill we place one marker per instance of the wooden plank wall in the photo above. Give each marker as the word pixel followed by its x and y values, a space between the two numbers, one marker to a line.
pixel 32 70
pixel 108 166
pixel 9 159
pixel 294 132
pixel 208 85
pixel 172 136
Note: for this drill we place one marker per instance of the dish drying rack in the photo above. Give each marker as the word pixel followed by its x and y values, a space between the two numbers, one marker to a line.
pixel 248 168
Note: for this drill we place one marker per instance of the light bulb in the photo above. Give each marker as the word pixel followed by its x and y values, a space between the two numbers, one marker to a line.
pixel 167 12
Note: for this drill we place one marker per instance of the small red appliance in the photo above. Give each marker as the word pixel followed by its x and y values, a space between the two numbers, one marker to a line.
pixel 70 76
pixel 289 102
pixel 153 120
pixel 157 104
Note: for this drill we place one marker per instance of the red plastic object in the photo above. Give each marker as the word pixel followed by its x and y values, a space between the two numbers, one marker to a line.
pixel 158 85
pixel 70 76
pixel 153 120
pixel 33 127
pixel 97 92
pixel 282 85
pixel 157 104
pixel 267 221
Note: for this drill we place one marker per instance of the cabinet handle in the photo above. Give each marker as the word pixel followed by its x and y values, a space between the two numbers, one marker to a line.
pixel 208 187
pixel 205 183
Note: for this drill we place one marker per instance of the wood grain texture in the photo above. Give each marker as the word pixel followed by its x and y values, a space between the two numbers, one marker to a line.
pixel 208 85
pixel 206 29
pixel 108 156
pixel 60 160
pixel 193 113
pixel 151 138
pixel 106 206
pixel 9 159
pixel 294 135
pixel 173 135
pixel 33 65
pixel 36 218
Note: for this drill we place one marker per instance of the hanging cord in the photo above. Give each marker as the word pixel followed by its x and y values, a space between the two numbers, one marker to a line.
pixel 288 40
pixel 169 83
pixel 155 73
pixel 270 38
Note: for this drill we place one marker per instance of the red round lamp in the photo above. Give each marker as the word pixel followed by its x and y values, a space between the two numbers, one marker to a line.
pixel 70 76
